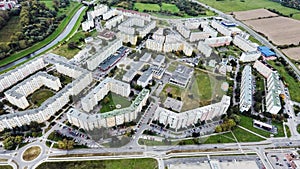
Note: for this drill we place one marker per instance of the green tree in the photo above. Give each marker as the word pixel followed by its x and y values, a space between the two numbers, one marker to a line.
pixel 218 129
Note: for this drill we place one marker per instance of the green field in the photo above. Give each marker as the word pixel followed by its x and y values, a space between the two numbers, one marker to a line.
pixel 5 167
pixel 244 136
pixel 239 5
pixel 293 85
pixel 64 50
pixel 40 96
pixel 169 7
pixel 144 6
pixel 113 100
pixel 247 122
pixel 107 164
pixel 12 26
pixel 220 138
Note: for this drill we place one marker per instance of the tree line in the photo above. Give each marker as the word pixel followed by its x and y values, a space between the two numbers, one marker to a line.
pixel 37 22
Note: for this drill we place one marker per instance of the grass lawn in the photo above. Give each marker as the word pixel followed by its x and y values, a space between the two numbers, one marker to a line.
pixel 6 167
pixel 113 100
pixel 31 153
pixel 200 91
pixel 69 11
pixel 244 136
pixel 169 7
pixel 220 138
pixel 247 122
pixel 12 26
pixel 65 51
pixel 288 131
pixel 279 129
pixel 154 143
pixel 298 128
pixel 144 6
pixel 48 3
pixel 105 164
pixel 40 96
pixel 293 85
pixel 238 5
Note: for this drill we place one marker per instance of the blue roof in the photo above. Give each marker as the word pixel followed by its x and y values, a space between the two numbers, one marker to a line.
pixel 228 24
pixel 266 51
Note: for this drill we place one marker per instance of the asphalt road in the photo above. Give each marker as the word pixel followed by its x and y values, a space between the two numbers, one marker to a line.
pixel 63 35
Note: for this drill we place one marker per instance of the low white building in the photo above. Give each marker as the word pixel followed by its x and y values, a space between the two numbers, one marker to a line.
pixel 145 78
pixel 250 56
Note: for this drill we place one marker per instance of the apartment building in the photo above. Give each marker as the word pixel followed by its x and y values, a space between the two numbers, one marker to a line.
pixel 250 56
pixel 204 49
pixel 218 41
pixel 191 117
pixel 273 103
pixel 221 28
pixel 101 90
pixel 244 44
pixel 109 119
pixel 246 89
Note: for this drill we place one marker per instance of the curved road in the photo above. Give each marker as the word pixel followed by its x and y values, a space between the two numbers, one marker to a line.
pixel 254 34
pixel 59 38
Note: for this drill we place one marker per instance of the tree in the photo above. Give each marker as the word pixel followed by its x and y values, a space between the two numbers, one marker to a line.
pixel 218 129
pixel 231 124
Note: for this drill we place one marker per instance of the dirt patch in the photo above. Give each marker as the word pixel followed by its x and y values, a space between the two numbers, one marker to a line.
pixel 279 30
pixel 293 53
pixel 31 153
pixel 254 14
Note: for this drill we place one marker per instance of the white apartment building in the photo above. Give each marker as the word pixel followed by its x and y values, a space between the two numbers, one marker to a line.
pixel 208 32
pixel 12 77
pixel 145 78
pixel 100 91
pixel 109 14
pixel 244 44
pixel 127 38
pixel 273 90
pixel 109 119
pixel 154 45
pixel 131 13
pixel 191 117
pixel 246 89
pixel 113 21
pixel 183 31
pixel 53 104
pixel 218 41
pixel 221 28
pixel 94 61
pixel 204 49
pixel 87 25
pixel 250 56
pixel 17 95
pixel 262 68
pixel 146 29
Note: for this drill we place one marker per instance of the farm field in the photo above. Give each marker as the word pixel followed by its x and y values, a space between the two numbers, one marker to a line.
pixel 253 14
pixel 278 33
pixel 238 5
pixel 105 164
pixel 293 53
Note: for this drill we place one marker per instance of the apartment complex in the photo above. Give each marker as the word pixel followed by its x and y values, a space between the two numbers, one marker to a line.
pixel 17 95
pixel 102 54
pixel 109 119
pixel 101 90
pixel 191 117
pixel 246 89
pixel 55 103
